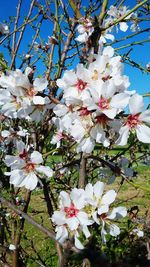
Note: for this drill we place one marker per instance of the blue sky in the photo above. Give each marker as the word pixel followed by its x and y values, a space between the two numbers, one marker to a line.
pixel 141 54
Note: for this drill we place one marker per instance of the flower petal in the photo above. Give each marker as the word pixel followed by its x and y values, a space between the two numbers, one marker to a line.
pixel 145 116
pixel 98 189
pixel 136 104
pixel 123 26
pixel 45 170
pixel 143 133
pixel 36 157
pixel 109 197
pixel 124 133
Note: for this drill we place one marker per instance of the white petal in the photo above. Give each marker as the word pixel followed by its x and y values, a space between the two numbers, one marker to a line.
pixel 60 110
pixel 86 145
pixel 95 218
pixel 73 223
pixel 61 233
pixel 65 199
pixel 27 71
pixel 123 26
pixel 143 133
pixel 77 197
pixel 89 191
pixel 30 181
pixel 83 218
pixel 109 197
pixel 82 38
pixel 109 37
pixel 36 157
pixel 124 133
pixel 45 169
pixel 120 100
pixel 108 51
pixel 17 177
pixel 21 147
pixel 40 84
pixel 117 213
pixel 103 209
pixel 78 243
pixel 110 113
pixel 38 100
pixel 145 116
pixel 68 79
pixel 98 189
pixel 97 133
pixel 136 104
pixel 58 217
pixel 114 230
pixel 86 231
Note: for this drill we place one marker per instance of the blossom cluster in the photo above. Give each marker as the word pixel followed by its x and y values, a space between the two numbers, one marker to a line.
pixel 93 99
pixel 26 168
pixel 81 208
pixel 85 26
pixel 20 98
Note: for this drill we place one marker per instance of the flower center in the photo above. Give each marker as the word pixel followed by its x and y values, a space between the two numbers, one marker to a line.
pixel 102 119
pixel 71 211
pixel 30 167
pixel 81 85
pixel 103 103
pixel 84 112
pixel 23 154
pixel 31 92
pixel 103 216
pixel 106 78
pixel 95 75
pixel 40 107
pixel 133 120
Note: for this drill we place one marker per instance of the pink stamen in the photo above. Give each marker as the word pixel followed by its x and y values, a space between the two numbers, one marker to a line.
pixel 23 155
pixel 103 103
pixel 84 112
pixel 133 121
pixel 71 211
pixel 81 85
pixel 30 167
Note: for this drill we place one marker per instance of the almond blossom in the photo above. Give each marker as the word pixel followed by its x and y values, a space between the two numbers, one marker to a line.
pixel 74 83
pixel 26 168
pixel 80 209
pixel 94 196
pixel 71 215
pixel 135 122
pixel 12 135
pixel 92 98
pixel 112 228
pixel 115 13
pixel 20 98
pixel 85 29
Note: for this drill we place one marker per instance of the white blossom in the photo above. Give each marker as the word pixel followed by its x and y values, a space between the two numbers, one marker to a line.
pixel 135 122
pixel 26 169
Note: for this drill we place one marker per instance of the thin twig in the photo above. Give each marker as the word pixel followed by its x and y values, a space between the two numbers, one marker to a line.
pixel 49 233
pixel 21 35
